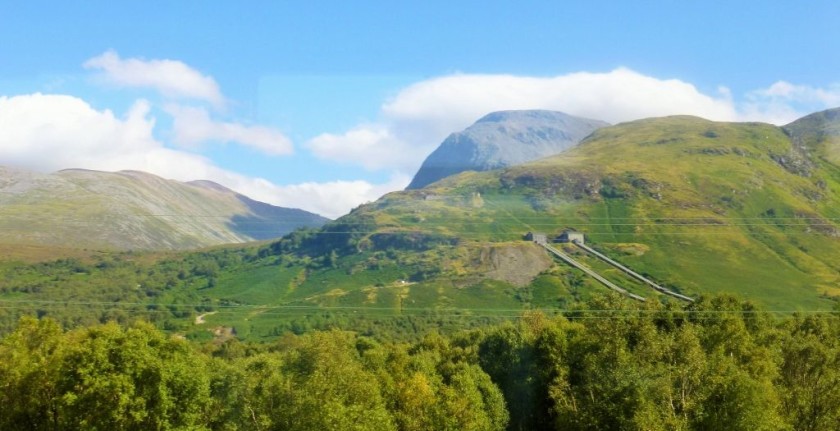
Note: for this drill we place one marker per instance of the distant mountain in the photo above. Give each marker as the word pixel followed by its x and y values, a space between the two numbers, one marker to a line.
pixel 503 139
pixel 133 210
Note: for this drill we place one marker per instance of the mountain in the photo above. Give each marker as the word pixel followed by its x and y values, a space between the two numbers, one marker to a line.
pixel 700 206
pixel 696 206
pixel 502 139
pixel 133 210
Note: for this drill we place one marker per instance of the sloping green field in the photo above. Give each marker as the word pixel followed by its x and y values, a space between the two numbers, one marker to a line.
pixel 700 207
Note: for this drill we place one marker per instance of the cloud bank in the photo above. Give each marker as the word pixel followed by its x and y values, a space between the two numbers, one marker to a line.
pixel 418 118
pixel 52 132
pixel 56 131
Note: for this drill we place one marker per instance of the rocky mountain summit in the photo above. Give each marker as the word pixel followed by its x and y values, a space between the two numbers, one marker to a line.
pixel 502 139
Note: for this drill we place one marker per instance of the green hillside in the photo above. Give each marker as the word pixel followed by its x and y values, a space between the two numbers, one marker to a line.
pixel 714 206
pixel 132 210
pixel 700 207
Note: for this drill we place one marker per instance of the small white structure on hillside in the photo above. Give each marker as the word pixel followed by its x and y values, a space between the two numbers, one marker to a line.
pixel 570 236
pixel 536 237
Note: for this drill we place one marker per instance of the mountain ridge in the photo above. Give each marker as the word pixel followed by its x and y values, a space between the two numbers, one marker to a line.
pixel 133 210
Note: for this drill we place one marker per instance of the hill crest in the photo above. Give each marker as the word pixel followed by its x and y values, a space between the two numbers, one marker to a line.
pixel 133 210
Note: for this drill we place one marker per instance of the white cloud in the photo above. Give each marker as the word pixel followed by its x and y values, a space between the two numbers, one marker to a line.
pixel 193 125
pixel 47 132
pixel 802 93
pixel 372 146
pixel 56 131
pixel 619 95
pixel 419 117
pixel 783 102
pixel 330 199
pixel 51 132
pixel 171 78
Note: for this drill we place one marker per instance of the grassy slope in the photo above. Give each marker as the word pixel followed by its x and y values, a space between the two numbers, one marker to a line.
pixel 708 200
pixel 130 210
pixel 701 207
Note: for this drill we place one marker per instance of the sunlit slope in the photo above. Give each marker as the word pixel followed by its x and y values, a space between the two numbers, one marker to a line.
pixel 701 206
pixel 697 206
pixel 132 210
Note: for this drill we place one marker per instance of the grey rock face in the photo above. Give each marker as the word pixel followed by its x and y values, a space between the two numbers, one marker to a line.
pixel 502 139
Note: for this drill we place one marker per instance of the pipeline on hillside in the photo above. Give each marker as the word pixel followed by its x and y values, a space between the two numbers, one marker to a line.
pixel 589 271
pixel 632 273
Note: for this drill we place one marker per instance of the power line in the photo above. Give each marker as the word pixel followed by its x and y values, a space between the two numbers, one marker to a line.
pixel 437 218
pixel 262 308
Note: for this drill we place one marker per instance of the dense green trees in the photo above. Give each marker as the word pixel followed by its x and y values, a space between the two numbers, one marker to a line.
pixel 715 364
pixel 810 372
pixel 100 378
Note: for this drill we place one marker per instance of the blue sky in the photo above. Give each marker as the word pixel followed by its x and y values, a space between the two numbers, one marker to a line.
pixel 325 105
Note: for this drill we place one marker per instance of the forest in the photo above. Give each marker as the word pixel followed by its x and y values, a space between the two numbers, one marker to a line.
pixel 606 364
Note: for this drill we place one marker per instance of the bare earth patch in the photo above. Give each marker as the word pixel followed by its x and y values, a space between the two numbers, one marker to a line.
pixel 517 264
